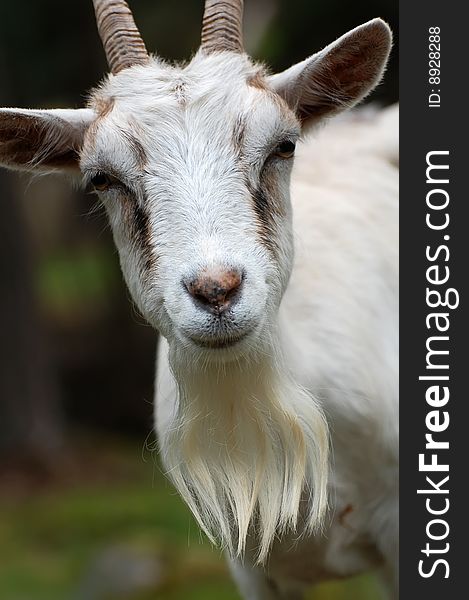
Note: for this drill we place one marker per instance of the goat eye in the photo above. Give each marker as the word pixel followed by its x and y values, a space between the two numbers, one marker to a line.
pixel 285 149
pixel 101 181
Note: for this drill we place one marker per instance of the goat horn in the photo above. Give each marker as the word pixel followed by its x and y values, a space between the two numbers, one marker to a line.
pixel 121 39
pixel 222 26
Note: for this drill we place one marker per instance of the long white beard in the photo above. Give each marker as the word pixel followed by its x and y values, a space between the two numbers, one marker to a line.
pixel 247 449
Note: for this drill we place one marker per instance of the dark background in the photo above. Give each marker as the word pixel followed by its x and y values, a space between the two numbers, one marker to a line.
pixel 76 359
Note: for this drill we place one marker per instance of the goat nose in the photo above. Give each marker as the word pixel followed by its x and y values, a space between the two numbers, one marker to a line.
pixel 215 290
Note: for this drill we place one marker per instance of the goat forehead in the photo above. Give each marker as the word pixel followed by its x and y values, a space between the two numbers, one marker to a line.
pixel 211 91
pixel 170 136
pixel 142 85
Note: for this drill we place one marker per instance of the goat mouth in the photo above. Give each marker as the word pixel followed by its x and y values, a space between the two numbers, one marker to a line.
pixel 218 343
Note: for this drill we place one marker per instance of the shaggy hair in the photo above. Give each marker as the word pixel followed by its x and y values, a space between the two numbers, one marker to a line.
pixel 247 450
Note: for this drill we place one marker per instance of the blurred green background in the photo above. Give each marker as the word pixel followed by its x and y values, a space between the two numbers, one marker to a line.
pixel 85 511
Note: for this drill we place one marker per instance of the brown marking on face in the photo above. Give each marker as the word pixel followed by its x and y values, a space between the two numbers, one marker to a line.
pixel 268 205
pixel 267 199
pixel 266 219
pixel 141 224
pixel 103 106
pixel 137 148
pixel 258 80
pixel 137 223
pixel 239 133
pixel 269 181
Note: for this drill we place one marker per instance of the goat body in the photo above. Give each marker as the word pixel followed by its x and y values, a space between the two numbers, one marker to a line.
pixel 338 335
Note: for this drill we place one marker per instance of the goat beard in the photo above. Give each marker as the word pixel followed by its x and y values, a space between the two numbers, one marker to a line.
pixel 247 451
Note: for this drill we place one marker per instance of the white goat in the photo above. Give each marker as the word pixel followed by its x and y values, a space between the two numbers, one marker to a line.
pixel 263 353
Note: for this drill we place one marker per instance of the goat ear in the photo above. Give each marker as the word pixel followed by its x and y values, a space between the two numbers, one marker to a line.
pixel 44 140
pixel 339 76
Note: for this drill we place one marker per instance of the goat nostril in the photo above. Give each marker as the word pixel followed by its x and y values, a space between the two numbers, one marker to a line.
pixel 215 290
pixel 201 298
